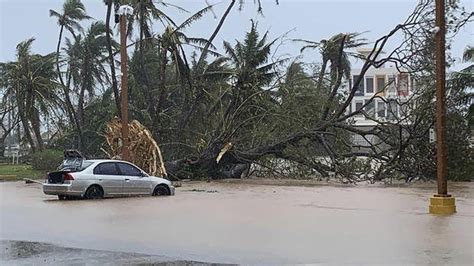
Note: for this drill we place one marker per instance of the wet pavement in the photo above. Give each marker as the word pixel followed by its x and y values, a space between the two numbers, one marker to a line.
pixel 35 253
pixel 238 223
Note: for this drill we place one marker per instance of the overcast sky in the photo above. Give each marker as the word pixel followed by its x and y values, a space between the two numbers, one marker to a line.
pixel 306 19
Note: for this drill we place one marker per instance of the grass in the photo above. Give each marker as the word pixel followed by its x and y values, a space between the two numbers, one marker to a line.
pixel 19 171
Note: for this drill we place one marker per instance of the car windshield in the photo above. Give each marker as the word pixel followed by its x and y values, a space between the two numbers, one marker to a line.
pixel 76 164
pixel 84 165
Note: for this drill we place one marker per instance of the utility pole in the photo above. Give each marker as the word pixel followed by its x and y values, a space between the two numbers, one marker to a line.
pixel 440 40
pixel 123 12
pixel 442 202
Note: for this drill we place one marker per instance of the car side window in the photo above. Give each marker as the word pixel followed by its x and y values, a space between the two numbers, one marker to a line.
pixel 129 170
pixel 106 169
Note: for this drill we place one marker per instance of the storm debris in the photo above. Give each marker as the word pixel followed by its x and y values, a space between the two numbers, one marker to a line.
pixel 144 151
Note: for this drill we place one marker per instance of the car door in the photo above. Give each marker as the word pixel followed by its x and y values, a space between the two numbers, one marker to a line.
pixel 109 178
pixel 134 181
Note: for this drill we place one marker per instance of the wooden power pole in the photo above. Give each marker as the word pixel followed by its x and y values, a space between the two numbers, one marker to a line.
pixel 442 202
pixel 440 39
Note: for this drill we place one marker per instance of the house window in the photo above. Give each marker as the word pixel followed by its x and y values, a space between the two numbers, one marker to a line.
pixel 369 85
pixel 380 84
pixel 360 88
pixel 381 108
pixel 403 84
pixel 370 108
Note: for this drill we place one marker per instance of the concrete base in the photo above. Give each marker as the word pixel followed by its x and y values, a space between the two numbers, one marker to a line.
pixel 442 205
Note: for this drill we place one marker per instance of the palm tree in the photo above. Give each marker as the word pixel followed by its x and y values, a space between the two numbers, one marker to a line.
pixel 249 59
pixel 108 32
pixel 252 72
pixel 170 45
pixel 330 53
pixel 85 63
pixel 73 12
pixel 144 11
pixel 30 80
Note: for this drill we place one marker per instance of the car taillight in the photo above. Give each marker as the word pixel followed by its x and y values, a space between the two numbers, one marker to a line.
pixel 68 176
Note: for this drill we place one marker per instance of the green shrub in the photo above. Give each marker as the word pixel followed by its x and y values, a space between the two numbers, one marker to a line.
pixel 46 160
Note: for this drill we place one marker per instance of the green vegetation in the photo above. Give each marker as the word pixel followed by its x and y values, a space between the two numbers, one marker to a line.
pixel 19 171
pixel 281 115
pixel 46 160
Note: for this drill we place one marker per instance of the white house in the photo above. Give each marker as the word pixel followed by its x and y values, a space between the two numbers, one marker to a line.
pixel 392 87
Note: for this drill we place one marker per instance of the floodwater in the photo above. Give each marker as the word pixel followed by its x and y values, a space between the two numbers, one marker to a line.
pixel 240 223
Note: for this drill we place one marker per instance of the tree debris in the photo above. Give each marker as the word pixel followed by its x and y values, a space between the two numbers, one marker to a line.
pixel 144 151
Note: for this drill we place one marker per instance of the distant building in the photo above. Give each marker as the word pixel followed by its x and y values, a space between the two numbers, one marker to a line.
pixel 393 88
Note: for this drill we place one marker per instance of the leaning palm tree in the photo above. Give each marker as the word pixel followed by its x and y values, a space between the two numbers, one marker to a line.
pixel 110 4
pixel 144 12
pixel 171 43
pixel 30 80
pixel 86 69
pixel 330 53
pixel 171 49
pixel 73 12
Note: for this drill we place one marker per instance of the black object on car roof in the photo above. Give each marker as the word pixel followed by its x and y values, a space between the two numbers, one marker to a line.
pixel 73 160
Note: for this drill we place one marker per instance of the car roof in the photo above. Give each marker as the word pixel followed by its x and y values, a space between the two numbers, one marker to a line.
pixel 106 160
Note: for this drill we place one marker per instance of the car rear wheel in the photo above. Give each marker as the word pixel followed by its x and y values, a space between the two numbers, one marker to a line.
pixel 161 190
pixel 94 192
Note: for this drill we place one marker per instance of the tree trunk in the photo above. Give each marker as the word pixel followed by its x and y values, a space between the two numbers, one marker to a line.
pixel 69 107
pixel 35 122
pixel 26 129
pixel 187 116
pixel 2 146
pixel 111 58
pixel 321 74
pixel 80 106
pixel 162 95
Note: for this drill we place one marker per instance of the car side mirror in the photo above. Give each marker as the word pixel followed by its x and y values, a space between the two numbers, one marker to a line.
pixel 143 174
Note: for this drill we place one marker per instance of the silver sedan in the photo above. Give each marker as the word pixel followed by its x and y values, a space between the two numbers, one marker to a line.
pixel 96 179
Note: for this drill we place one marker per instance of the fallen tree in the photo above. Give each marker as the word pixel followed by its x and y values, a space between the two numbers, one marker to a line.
pixel 250 113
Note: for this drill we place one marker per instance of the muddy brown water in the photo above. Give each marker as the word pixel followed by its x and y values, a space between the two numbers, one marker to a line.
pixel 251 224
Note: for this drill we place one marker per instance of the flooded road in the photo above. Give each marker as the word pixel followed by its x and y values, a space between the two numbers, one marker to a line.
pixel 246 223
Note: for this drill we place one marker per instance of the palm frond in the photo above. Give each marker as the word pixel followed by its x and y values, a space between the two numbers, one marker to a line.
pixel 230 51
pixel 193 18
